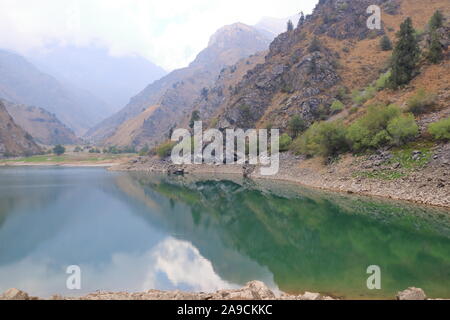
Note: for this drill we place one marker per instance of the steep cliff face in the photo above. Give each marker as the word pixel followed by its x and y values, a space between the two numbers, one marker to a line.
pixel 172 97
pixel 305 70
pixel 44 126
pixel 14 141
pixel 301 73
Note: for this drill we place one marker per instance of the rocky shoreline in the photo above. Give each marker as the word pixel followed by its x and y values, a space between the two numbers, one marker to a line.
pixel 254 290
pixel 375 175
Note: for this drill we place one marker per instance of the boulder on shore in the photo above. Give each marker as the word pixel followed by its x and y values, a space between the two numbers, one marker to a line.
pixel 14 294
pixel 412 294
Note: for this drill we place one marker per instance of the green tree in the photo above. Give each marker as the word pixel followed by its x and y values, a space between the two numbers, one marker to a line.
pixel 435 52
pixel 440 130
pixel 436 21
pixel 421 102
pixel 59 150
pixel 402 129
pixel 195 116
pixel 290 26
pixel 285 142
pixel 381 125
pixel 385 43
pixel 301 21
pixel 337 106
pixel 405 55
pixel 296 126
pixel 315 45
pixel 322 139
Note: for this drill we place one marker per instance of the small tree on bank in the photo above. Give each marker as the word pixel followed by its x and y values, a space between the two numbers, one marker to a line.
pixel 405 56
pixel 59 150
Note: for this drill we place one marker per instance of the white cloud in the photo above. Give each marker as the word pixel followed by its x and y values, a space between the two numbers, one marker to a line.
pixel 178 261
pixel 169 33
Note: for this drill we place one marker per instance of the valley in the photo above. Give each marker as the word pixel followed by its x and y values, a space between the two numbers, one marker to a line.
pixel 157 177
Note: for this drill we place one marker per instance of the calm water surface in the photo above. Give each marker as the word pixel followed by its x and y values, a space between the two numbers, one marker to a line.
pixel 138 232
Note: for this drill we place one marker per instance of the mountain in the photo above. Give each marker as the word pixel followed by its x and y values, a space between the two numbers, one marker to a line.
pixel 330 56
pixel 151 114
pixel 43 126
pixel 21 82
pixel 14 141
pixel 112 79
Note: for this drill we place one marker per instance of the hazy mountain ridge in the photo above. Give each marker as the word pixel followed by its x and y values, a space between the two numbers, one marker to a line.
pixel 113 79
pixel 172 97
pixel 42 125
pixel 21 82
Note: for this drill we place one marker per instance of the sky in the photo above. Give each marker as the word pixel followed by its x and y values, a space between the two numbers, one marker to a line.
pixel 169 33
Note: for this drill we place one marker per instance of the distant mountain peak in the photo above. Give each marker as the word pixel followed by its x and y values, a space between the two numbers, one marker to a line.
pixel 229 33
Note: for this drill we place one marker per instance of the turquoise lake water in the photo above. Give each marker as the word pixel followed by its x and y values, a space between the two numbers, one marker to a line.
pixel 136 232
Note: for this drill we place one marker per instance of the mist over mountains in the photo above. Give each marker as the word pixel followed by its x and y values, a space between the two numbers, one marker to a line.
pixel 152 113
pixel 22 82
pixel 112 79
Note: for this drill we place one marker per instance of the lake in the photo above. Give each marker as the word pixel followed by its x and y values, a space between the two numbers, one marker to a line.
pixel 135 232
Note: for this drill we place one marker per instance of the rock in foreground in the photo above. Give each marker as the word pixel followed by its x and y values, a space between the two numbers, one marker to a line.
pixel 412 294
pixel 254 290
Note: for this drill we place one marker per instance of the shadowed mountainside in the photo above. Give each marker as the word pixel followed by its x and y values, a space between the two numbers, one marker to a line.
pixel 14 141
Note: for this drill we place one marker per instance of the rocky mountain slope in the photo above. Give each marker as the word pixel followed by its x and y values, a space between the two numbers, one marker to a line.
pixel 14 141
pixel 21 82
pixel 43 126
pixel 308 68
pixel 115 79
pixel 162 105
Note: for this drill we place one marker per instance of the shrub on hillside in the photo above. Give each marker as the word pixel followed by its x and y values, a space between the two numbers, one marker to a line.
pixel 382 125
pixel 315 45
pixel 383 81
pixel 337 106
pixel 402 129
pixel 440 130
pixel 421 102
pixel 144 151
pixel 285 142
pixel 322 139
pixel 164 150
pixel 385 43
pixel 361 97
pixel 296 126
